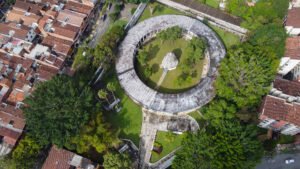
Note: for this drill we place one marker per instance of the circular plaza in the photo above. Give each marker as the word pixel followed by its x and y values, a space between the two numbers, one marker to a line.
pixel 151 98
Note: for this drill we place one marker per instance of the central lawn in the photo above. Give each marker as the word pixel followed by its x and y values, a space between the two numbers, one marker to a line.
pixel 129 120
pixel 158 9
pixel 169 142
pixel 157 51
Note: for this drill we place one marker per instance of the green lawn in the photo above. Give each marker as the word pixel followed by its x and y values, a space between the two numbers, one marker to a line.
pixel 129 120
pixel 158 9
pixel 157 51
pixel 211 3
pixel 169 142
pixel 228 38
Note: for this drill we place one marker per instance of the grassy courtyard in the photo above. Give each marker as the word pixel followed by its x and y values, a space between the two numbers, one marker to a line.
pixel 157 50
pixel 129 120
pixel 158 9
pixel 169 141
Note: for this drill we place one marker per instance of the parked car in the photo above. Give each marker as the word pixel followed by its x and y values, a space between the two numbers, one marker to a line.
pixel 289 161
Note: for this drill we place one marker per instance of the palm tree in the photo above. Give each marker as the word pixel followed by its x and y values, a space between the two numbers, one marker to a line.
pixel 103 95
pixel 112 88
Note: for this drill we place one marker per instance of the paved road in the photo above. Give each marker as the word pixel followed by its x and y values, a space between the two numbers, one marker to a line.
pixel 101 28
pixel 278 162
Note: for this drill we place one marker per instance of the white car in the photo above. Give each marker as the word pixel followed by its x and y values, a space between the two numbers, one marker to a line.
pixel 289 161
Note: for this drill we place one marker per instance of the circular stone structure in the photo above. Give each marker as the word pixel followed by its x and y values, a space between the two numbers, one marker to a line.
pixel 169 62
pixel 151 99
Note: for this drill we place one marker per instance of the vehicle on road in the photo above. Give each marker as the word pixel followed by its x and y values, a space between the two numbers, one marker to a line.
pixel 289 161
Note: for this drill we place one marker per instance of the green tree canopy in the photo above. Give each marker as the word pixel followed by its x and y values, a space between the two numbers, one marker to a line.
pixel 229 146
pixel 105 50
pixel 195 49
pixel 96 134
pixel 143 57
pixel 172 33
pixel 25 154
pixel 117 161
pixel 246 74
pixel 264 12
pixel 272 36
pixel 57 109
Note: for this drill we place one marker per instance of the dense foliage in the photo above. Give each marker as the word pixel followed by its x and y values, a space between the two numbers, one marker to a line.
pixel 105 51
pixel 57 110
pixel 246 74
pixel 26 153
pixel 95 134
pixel 117 161
pixel 195 52
pixel 229 146
pixel 264 12
pixel 270 36
pixel 172 33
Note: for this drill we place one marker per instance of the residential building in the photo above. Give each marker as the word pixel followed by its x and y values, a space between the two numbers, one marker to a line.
pixel 64 159
pixel 290 64
pixel 35 40
pixel 292 22
pixel 279 115
pixel 280 110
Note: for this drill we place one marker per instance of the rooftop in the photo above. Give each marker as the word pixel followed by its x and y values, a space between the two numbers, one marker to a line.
pixel 293 17
pixel 278 109
pixel 288 87
pixel 64 159
pixel 187 101
pixel 292 47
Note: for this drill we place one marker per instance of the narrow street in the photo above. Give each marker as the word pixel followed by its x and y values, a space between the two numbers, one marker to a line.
pixel 278 162
pixel 101 28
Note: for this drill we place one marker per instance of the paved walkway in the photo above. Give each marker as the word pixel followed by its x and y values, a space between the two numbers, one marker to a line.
pixel 101 28
pixel 153 122
pixel 162 78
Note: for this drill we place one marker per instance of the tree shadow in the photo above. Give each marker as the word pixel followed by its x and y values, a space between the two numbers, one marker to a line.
pixel 155 68
pixel 153 50
pixel 178 53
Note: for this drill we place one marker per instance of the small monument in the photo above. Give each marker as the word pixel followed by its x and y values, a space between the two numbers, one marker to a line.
pixel 169 62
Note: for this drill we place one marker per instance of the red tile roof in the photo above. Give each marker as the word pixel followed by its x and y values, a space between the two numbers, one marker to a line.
pixel 278 109
pixel 288 87
pixel 292 47
pixel 78 7
pixel 293 18
pixel 10 136
pixel 19 33
pixel 58 159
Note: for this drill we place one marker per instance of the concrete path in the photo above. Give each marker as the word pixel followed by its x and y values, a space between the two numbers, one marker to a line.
pixel 162 78
pixel 153 122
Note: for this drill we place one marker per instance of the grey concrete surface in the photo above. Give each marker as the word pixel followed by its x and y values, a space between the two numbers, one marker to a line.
pixel 278 162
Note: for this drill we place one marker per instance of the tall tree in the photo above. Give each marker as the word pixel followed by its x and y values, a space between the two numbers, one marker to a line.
pixel 112 88
pixel 142 57
pixel 96 134
pixel 103 94
pixel 57 109
pixel 117 161
pixel 229 146
pixel 272 36
pixel 246 74
pixel 25 154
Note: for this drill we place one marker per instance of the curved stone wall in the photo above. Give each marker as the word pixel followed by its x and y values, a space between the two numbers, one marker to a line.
pixel 150 99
